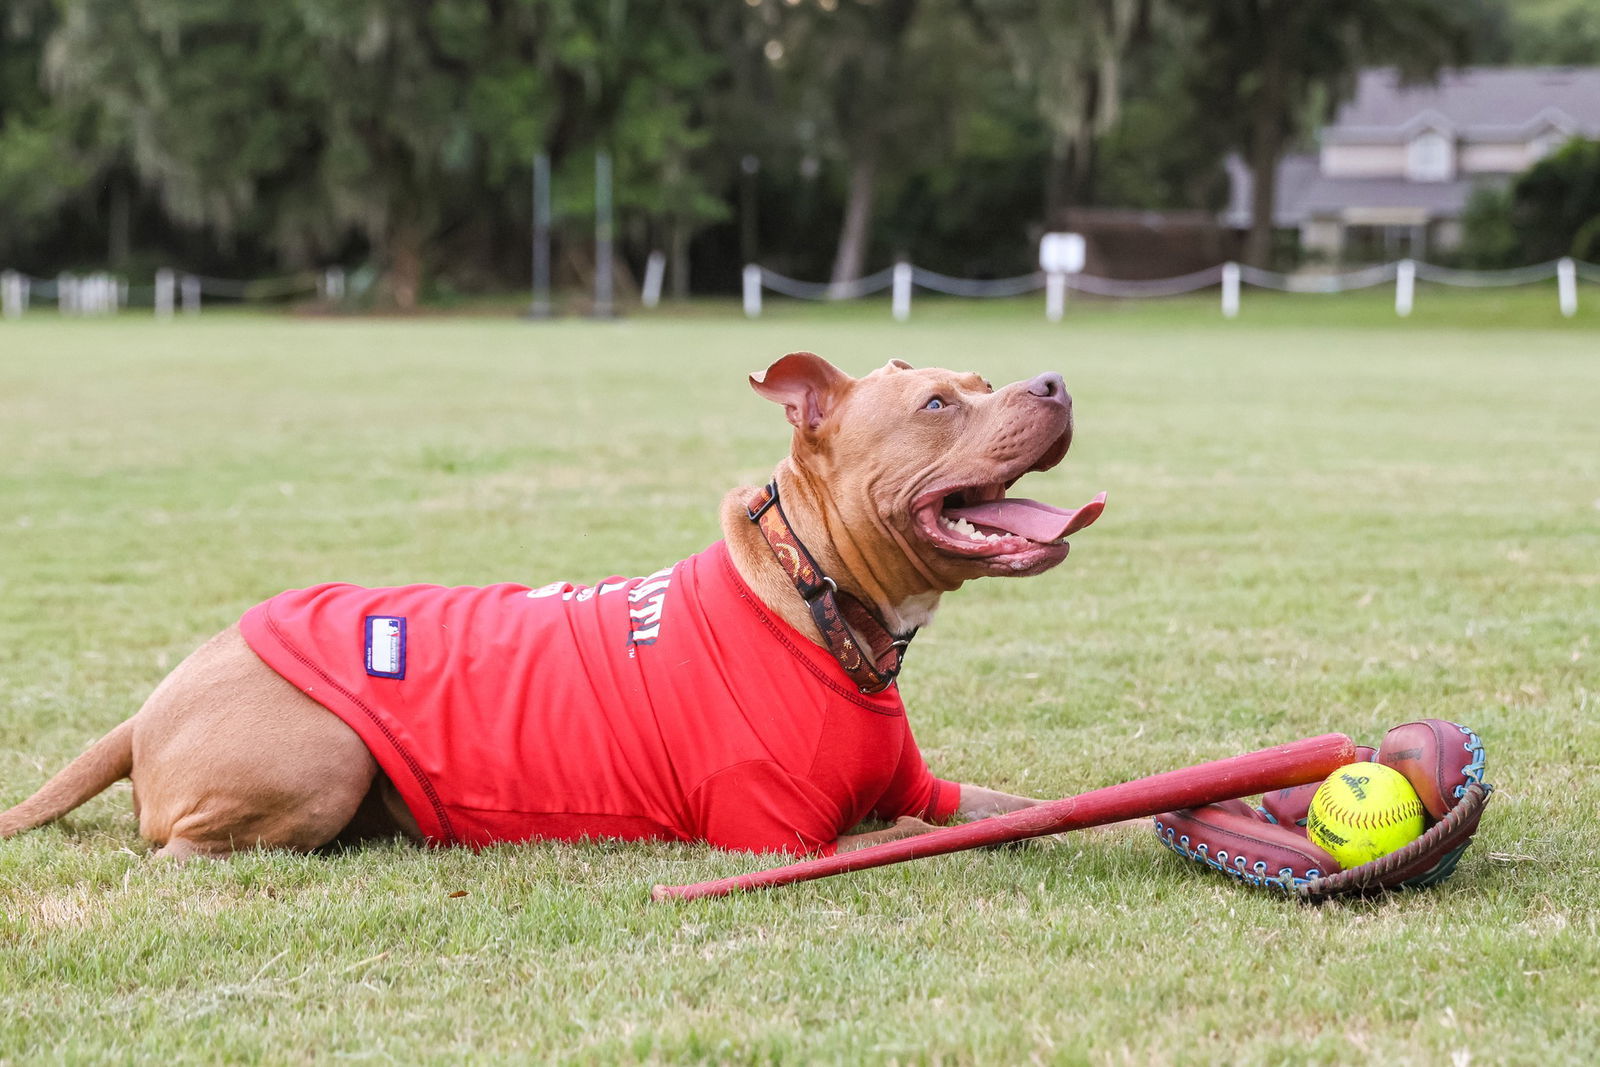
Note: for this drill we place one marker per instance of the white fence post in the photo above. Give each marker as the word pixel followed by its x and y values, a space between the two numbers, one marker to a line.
pixel 655 270
pixel 1567 285
pixel 13 294
pixel 190 290
pixel 330 286
pixel 1055 295
pixel 166 292
pixel 752 290
pixel 67 294
pixel 1230 290
pixel 97 294
pixel 1405 286
pixel 902 291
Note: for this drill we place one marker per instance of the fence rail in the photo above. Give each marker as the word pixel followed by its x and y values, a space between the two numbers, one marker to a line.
pixel 904 278
pixel 171 292
pixel 101 293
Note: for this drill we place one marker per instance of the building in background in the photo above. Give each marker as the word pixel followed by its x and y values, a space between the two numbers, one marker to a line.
pixel 1399 162
pixel 1136 245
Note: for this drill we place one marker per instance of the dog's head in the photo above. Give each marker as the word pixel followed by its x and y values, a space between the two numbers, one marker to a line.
pixel 922 459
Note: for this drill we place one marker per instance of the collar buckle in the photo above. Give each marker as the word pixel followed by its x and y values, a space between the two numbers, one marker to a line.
pixel 754 511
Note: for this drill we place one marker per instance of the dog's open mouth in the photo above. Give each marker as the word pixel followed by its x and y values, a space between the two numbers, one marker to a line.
pixel 981 521
pixel 985 515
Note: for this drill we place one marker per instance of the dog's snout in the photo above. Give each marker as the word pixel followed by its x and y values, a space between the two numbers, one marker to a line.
pixel 1050 386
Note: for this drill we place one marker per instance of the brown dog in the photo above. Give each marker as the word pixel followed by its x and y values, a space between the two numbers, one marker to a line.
pixel 744 697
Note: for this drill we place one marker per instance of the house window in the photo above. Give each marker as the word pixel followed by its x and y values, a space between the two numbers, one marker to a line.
pixel 1430 158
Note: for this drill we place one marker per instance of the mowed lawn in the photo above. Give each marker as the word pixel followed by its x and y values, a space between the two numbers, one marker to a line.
pixel 1318 520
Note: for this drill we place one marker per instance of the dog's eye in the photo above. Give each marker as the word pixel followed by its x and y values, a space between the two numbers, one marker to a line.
pixel 933 404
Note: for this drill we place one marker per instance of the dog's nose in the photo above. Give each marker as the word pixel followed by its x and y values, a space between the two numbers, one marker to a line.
pixel 1050 386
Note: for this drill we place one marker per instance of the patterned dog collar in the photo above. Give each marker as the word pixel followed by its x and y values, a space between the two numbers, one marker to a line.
pixel 834 611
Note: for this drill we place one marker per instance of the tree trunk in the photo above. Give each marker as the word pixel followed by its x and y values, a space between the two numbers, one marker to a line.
pixel 1056 200
pixel 678 259
pixel 1069 178
pixel 853 235
pixel 119 226
pixel 1267 123
pixel 860 113
pixel 405 265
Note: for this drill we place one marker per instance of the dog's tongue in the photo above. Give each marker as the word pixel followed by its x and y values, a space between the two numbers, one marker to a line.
pixel 1029 518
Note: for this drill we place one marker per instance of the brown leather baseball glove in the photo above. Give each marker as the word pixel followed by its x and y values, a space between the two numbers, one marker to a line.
pixel 1266 846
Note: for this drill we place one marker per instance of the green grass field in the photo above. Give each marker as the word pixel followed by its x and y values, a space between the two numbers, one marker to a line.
pixel 1319 519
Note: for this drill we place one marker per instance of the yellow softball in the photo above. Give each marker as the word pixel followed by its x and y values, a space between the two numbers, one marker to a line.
pixel 1363 811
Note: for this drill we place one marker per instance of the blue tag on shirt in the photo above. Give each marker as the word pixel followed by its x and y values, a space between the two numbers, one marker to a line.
pixel 386 646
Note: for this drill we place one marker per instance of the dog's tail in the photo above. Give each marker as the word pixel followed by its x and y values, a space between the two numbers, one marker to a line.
pixel 106 761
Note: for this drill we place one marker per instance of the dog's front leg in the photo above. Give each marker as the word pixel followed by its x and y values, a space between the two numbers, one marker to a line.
pixel 980 803
pixel 976 803
pixel 904 826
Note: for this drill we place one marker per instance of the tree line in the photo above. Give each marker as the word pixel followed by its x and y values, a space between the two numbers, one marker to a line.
pixel 821 136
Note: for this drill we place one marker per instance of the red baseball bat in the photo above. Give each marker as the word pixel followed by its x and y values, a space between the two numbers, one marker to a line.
pixel 1206 783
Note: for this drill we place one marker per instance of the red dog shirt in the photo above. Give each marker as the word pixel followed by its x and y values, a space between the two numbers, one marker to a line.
pixel 672 707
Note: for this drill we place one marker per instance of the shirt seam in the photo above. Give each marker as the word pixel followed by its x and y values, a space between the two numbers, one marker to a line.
pixel 755 605
pixel 394 742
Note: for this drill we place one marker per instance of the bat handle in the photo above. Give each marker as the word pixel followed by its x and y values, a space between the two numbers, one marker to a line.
pixel 1296 763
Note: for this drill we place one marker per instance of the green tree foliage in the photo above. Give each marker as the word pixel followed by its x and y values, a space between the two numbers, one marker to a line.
pixel 1550 210
pixel 1165 147
pixel 1068 59
pixel 1488 240
pixel 879 104
pixel 313 122
pixel 847 75
pixel 1555 205
pixel 249 136
pixel 48 153
pixel 1557 32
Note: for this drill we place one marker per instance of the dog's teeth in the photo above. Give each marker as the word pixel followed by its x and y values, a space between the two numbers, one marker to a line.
pixel 969 531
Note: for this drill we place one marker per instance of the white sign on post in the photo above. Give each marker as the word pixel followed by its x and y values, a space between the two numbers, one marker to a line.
pixel 1061 253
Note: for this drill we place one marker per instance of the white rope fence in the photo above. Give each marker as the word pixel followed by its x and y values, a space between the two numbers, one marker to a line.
pixel 101 293
pixel 851 290
pixel 106 294
pixel 1484 279
pixel 904 278
pixel 1319 283
pixel 981 289
pixel 1184 283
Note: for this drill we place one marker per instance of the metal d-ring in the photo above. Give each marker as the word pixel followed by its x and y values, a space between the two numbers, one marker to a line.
pixel 827 585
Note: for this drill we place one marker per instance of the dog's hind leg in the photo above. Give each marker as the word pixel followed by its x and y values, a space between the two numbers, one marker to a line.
pixel 228 755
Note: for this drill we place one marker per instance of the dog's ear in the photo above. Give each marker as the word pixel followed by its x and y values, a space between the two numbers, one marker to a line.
pixel 805 384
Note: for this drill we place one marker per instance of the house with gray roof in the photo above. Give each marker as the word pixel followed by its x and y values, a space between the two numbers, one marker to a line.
pixel 1397 165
